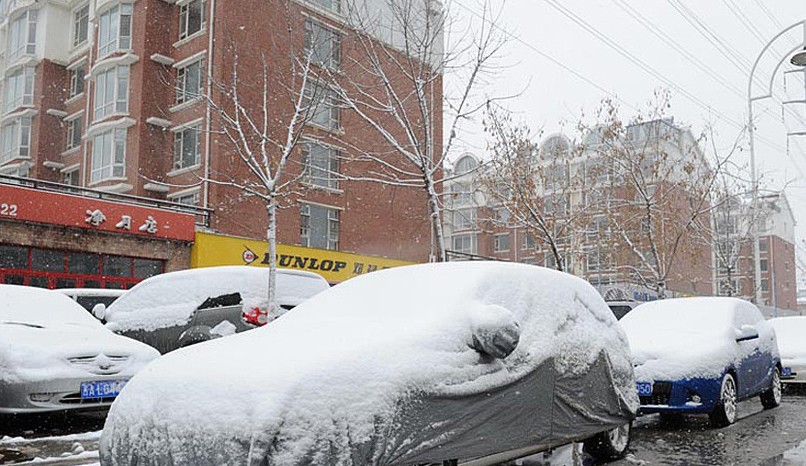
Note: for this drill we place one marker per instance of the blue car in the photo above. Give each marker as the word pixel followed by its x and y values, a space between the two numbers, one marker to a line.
pixel 702 356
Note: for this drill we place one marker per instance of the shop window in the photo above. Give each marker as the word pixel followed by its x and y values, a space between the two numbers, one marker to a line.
pixel 114 285
pixel 47 260
pixel 39 282
pixel 116 266
pixel 191 18
pixel 65 283
pixel 144 268
pixel 92 284
pixel 83 263
pixel 13 257
pixel 14 280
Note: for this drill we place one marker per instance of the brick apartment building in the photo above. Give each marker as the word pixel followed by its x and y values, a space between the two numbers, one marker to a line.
pixel 479 226
pixel 111 97
pixel 734 271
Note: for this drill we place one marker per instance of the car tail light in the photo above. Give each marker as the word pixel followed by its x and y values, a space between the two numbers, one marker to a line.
pixel 255 316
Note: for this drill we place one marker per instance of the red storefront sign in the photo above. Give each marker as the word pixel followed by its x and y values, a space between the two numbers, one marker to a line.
pixel 25 204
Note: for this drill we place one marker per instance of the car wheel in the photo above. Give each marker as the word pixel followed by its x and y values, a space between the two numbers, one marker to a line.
pixel 771 398
pixel 724 413
pixel 609 445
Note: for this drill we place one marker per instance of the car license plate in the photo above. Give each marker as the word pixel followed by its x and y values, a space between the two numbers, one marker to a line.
pixel 644 388
pixel 101 389
pixel 787 372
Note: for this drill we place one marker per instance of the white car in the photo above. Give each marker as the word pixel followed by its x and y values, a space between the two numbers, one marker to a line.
pixel 54 356
pixel 89 298
pixel 480 362
pixel 791 332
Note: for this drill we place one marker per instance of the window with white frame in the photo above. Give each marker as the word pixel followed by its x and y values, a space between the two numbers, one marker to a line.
pixel 192 199
pixel 465 243
pixel 729 287
pixel 187 147
pixel 71 178
pixel 21 38
pixel 19 88
pixel 15 139
pixel 461 193
pixel 77 76
pixel 108 155
pixel 464 218
pixel 331 5
pixel 81 22
pixel 320 165
pixel 527 242
pixel 191 18
pixel 323 44
pixel 319 227
pixel 189 81
pixel 501 242
pixel 74 132
pixel 112 91
pixel 115 29
pixel 322 104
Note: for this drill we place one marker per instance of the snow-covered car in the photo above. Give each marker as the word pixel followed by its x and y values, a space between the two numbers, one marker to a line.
pixel 477 362
pixel 621 308
pixel 702 356
pixel 55 356
pixel 89 298
pixel 791 334
pixel 178 309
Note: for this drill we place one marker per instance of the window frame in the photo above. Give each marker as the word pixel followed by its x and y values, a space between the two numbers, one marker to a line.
pixel 184 20
pixel 20 134
pixel 116 19
pixel 105 167
pixel 183 95
pixel 179 146
pixel 81 24
pixel 119 103
pixel 497 243
pixel 25 39
pixel 21 83
pixel 328 166
pixel 326 105
pixel 73 136
pixel 333 230
pixel 317 35
pixel 77 77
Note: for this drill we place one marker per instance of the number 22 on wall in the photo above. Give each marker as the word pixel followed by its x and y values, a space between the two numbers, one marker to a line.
pixel 8 210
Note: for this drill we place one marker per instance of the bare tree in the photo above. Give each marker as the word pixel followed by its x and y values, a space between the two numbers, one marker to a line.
pixel 395 88
pixel 660 191
pixel 539 189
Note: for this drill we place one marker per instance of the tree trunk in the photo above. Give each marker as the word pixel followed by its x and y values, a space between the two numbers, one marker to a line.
pixel 271 236
pixel 436 221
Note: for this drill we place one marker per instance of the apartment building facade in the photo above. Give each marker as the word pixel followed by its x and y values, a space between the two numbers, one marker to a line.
pixel 572 200
pixel 120 97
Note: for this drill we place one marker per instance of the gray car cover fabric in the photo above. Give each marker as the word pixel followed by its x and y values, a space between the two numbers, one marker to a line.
pixel 543 409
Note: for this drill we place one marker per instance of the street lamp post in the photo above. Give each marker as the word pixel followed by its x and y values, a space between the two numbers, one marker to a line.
pixel 798 59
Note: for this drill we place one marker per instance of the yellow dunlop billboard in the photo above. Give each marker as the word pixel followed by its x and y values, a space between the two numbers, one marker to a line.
pixel 211 250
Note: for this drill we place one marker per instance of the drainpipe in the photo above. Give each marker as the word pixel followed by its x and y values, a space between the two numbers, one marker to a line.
pixel 207 138
pixel 87 96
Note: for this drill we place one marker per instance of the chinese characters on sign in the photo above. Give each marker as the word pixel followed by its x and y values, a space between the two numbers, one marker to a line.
pixel 96 218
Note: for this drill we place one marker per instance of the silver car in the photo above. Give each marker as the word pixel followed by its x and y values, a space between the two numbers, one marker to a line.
pixel 178 309
pixel 54 356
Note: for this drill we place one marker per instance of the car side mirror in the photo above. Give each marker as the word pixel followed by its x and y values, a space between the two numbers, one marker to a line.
pixel 747 332
pixel 495 332
pixel 99 311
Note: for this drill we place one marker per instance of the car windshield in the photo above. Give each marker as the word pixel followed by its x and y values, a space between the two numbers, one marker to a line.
pixel 684 318
pixel 41 308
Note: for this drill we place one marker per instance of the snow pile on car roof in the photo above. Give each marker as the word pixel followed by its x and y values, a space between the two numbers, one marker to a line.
pixel 791 333
pixel 41 329
pixel 170 299
pixel 675 339
pixel 341 362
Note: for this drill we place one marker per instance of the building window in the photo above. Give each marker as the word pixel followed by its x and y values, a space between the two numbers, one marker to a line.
pixel 81 21
pixel 321 102
pixel 19 89
pixel 191 18
pixel 501 242
pixel 464 218
pixel 189 81
pixel 331 5
pixel 108 155
pixel 71 178
pixel 763 245
pixel 321 165
pixel 77 76
pixel 21 37
pixel 765 285
pixel 112 92
pixel 323 44
pixel 501 215
pixel 115 30
pixel 595 261
pixel 461 194
pixel 187 147
pixel 15 139
pixel 528 242
pixel 729 287
pixel 764 265
pixel 465 244
pixel 74 132
pixel 319 227
pixel 191 199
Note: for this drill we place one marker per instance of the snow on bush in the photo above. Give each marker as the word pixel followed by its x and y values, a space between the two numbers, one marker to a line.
pixel 39 329
pixel 675 339
pixel 321 377
pixel 169 299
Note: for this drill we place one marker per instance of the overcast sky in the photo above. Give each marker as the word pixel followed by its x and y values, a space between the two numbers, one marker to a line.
pixel 702 51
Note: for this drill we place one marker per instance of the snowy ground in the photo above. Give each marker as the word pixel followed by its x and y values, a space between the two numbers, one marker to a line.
pixel 765 438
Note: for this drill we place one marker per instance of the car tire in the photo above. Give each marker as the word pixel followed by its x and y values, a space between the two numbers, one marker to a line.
pixel 724 413
pixel 609 445
pixel 771 398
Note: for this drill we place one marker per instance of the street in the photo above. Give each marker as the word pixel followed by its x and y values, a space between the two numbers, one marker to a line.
pixel 766 438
